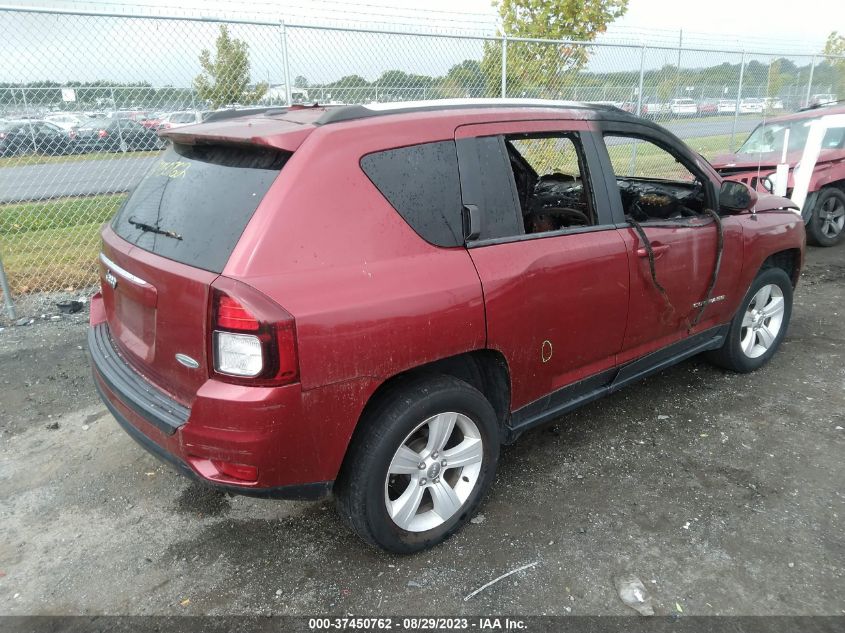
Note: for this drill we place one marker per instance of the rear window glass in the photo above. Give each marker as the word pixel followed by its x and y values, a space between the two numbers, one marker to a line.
pixel 421 182
pixel 195 202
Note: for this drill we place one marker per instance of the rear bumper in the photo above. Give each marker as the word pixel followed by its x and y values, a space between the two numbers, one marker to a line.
pixel 254 426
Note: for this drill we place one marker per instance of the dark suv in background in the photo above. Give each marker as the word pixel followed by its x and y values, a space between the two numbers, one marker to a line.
pixel 370 300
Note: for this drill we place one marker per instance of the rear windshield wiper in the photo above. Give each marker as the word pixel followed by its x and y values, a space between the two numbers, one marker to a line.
pixel 149 228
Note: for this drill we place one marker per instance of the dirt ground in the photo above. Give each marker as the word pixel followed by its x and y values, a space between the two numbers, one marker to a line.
pixel 722 493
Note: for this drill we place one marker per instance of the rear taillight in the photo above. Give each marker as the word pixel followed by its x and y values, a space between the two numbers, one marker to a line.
pixel 2 135
pixel 252 339
pixel 233 316
pixel 102 134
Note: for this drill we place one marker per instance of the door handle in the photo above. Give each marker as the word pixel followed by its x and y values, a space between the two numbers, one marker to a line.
pixel 472 222
pixel 657 248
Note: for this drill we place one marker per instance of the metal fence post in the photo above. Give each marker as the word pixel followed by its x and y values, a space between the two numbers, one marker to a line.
pixel 288 87
pixel 504 66
pixel 29 121
pixel 123 146
pixel 810 82
pixel 678 67
pixel 7 293
pixel 633 166
pixel 738 99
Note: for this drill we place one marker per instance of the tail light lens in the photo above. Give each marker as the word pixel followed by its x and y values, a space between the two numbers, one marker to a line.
pixel 2 135
pixel 102 134
pixel 252 339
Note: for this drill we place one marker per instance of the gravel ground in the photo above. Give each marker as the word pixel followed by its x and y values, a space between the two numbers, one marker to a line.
pixel 722 493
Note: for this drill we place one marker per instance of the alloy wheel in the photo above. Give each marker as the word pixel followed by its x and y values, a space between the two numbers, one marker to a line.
pixel 832 216
pixel 433 472
pixel 762 321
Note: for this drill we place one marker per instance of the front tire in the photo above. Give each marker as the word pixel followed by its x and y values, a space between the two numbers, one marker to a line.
pixel 827 220
pixel 420 465
pixel 759 325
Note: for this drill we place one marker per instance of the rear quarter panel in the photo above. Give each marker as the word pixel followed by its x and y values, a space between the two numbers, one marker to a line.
pixel 370 297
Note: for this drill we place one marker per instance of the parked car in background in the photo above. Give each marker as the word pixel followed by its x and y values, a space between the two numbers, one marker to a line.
pixel 755 161
pixel 683 107
pixel 653 108
pixel 65 120
pixel 34 137
pixel 751 105
pixel 151 121
pixel 726 106
pixel 115 135
pixel 132 115
pixel 772 103
pixel 822 99
pixel 708 107
pixel 428 323
pixel 178 119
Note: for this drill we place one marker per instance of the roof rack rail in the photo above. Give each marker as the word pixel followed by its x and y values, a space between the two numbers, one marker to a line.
pixel 354 112
pixel 817 106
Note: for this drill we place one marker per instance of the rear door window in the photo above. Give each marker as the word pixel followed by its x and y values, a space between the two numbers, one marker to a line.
pixel 195 202
pixel 421 182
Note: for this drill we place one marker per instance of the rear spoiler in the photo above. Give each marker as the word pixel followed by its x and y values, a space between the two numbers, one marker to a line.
pixel 233 113
pixel 264 129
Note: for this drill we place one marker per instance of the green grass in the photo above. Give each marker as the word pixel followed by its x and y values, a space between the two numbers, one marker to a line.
pixel 60 213
pixel 53 244
pixel 37 159
pixel 710 146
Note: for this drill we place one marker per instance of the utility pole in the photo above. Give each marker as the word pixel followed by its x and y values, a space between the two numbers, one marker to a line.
pixel 678 67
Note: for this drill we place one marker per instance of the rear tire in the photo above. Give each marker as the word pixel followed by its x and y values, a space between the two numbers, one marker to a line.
pixel 397 490
pixel 759 325
pixel 827 220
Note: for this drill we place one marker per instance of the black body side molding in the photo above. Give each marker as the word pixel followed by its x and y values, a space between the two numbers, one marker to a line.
pixel 573 396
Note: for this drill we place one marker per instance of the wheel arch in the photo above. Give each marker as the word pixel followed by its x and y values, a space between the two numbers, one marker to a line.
pixel 789 260
pixel 485 369
pixel 837 181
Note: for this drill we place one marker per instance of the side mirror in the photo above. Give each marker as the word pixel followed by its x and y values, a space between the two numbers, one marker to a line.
pixel 736 196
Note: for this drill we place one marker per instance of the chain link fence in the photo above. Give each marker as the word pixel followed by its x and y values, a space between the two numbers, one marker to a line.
pixel 83 95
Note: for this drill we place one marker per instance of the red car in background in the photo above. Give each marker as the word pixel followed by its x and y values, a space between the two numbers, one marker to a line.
pixel 371 300
pixel 708 108
pixel 755 161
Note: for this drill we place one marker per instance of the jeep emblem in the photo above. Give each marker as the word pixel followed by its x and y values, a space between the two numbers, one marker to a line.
pixel 111 279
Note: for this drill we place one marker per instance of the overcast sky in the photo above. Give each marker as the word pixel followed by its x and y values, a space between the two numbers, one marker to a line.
pixel 63 49
pixel 790 22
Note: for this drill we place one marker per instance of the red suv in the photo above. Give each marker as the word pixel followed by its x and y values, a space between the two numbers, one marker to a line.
pixel 755 162
pixel 370 300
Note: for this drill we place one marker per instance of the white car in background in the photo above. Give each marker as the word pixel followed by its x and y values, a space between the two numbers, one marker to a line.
pixel 751 106
pixel 179 119
pixel 772 103
pixel 64 120
pixel 726 106
pixel 683 107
